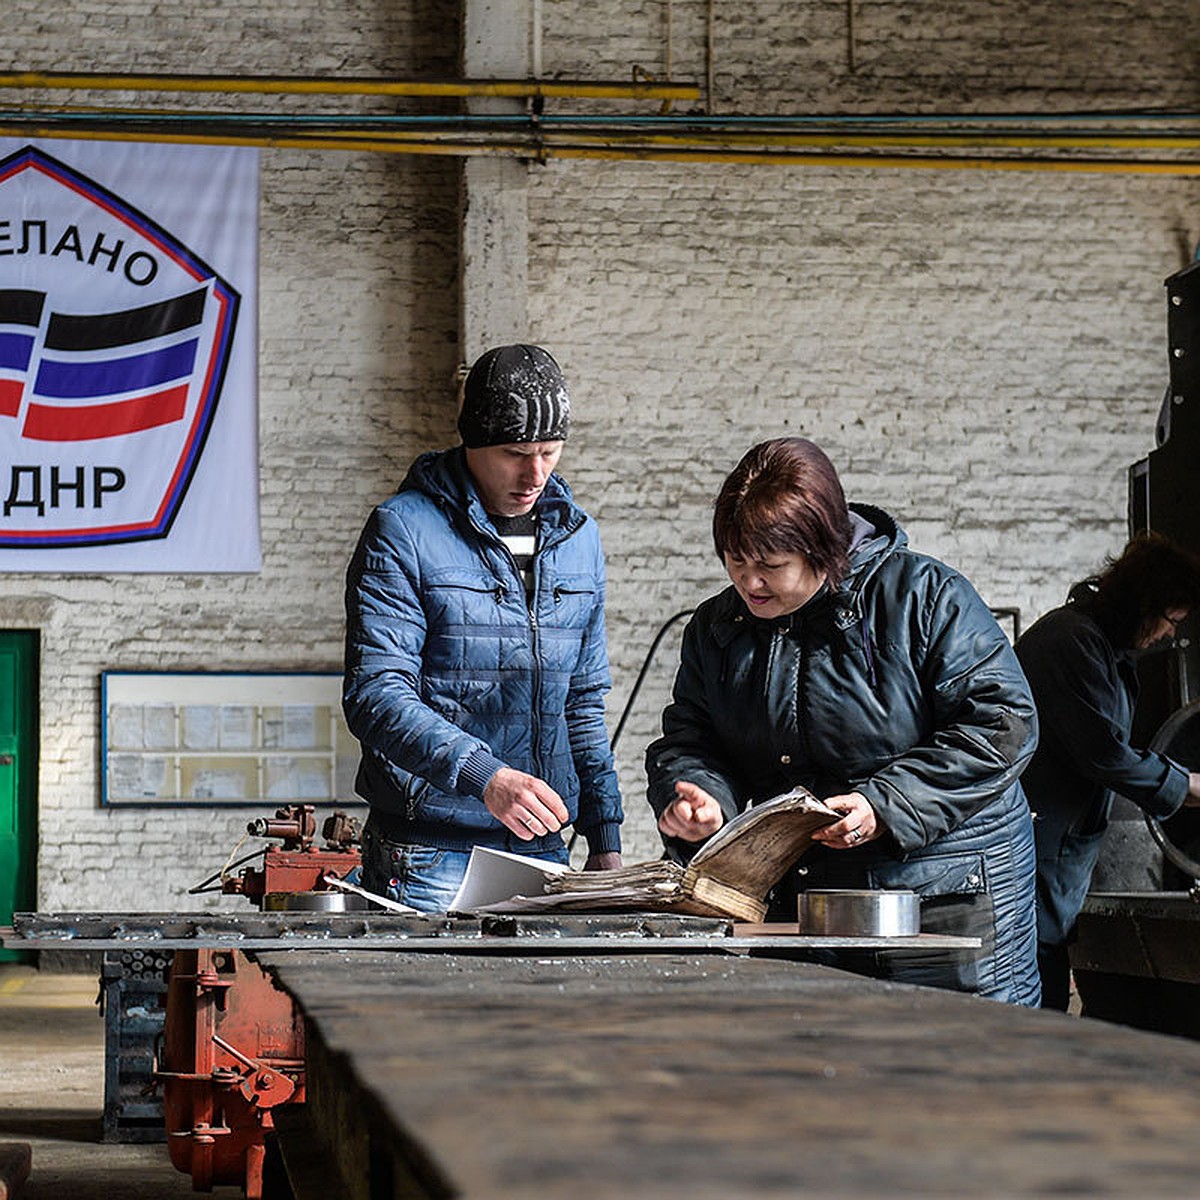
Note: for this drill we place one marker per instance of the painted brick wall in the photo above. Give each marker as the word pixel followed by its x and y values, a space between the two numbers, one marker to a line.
pixel 358 322
pixel 982 353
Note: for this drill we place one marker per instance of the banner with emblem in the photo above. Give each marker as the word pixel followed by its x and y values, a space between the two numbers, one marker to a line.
pixel 128 357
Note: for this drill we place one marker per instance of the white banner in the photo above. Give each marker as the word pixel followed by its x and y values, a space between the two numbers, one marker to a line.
pixel 128 357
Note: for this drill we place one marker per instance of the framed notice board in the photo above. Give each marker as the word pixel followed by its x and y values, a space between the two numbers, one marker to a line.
pixel 223 738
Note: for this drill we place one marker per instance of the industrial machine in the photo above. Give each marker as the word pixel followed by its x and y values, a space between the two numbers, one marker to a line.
pixel 1163 498
pixel 231 1049
pixel 293 873
pixel 232 1053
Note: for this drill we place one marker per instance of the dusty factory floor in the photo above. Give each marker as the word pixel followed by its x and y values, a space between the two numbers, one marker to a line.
pixel 52 1096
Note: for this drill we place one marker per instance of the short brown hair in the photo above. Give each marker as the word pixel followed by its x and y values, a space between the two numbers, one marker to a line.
pixel 785 497
pixel 1150 576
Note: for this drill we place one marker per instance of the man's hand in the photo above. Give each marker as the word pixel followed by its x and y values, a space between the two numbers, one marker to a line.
pixel 607 860
pixel 693 815
pixel 1193 796
pixel 856 828
pixel 524 803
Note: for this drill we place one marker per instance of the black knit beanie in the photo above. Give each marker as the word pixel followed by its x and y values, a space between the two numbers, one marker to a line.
pixel 514 394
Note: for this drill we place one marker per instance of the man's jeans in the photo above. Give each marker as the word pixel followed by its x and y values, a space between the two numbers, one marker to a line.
pixel 422 877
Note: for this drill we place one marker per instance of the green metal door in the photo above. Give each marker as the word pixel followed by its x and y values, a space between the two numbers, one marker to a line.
pixel 18 775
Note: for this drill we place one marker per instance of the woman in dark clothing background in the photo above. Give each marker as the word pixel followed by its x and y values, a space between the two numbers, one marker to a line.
pixel 876 677
pixel 1080 662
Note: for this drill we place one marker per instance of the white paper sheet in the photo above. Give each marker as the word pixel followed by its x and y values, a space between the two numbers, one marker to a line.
pixel 495 875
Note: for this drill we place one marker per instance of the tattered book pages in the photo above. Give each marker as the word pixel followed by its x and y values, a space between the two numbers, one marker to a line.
pixel 729 876
pixel 753 851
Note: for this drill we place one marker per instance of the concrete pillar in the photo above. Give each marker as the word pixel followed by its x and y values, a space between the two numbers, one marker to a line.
pixel 493 226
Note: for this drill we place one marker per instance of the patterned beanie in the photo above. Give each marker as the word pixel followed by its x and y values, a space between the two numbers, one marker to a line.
pixel 514 394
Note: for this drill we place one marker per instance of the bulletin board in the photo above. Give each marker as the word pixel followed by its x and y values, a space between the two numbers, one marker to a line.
pixel 223 738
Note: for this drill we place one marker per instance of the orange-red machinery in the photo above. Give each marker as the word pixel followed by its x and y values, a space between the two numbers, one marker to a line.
pixel 232 1052
pixel 299 865
pixel 233 1044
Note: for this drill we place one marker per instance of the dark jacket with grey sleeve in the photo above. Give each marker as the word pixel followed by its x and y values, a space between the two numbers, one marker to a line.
pixel 1085 688
pixel 898 684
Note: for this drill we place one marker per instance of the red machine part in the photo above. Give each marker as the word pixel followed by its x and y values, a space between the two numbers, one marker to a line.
pixel 233 1051
pixel 298 865
pixel 286 872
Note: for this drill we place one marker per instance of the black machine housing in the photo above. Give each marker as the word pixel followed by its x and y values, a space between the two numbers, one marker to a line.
pixel 1163 497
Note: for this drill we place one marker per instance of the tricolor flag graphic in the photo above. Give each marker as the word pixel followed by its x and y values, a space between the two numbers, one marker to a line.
pixel 100 376
pixel 20 318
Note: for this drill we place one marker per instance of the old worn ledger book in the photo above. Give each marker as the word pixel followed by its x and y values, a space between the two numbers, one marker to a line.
pixel 729 876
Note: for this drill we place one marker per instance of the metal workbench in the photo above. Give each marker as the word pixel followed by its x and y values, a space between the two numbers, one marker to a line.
pixel 1136 960
pixel 711 1076
pixel 652 1056
pixel 653 933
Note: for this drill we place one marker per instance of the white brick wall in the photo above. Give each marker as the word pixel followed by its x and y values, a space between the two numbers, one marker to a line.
pixel 982 353
pixel 972 350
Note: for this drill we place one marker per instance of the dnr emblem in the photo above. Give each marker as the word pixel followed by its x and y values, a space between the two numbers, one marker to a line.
pixel 114 343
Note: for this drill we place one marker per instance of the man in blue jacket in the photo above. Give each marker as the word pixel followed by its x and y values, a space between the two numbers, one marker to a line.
pixel 476 660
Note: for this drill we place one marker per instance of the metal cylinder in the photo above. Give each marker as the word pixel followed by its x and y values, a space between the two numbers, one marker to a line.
pixel 313 902
pixel 859 913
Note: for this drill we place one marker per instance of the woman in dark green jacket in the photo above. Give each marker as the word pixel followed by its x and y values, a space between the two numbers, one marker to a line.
pixel 876 677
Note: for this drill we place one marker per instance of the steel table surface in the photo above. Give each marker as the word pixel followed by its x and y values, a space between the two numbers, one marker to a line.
pixel 1155 935
pixel 580 933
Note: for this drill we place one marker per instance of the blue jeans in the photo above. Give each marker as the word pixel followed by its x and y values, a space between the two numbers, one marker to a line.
pixel 422 877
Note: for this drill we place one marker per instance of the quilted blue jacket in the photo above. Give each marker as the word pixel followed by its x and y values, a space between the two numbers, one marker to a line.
pixel 450 675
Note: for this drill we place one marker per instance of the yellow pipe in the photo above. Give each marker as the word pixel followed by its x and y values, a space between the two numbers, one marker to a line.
pixel 1113 166
pixel 677 154
pixel 300 85
pixel 549 140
